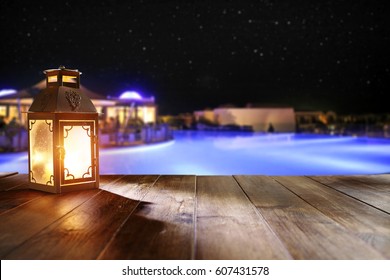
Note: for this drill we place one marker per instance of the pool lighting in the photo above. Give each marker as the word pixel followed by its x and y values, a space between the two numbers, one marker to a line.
pixel 5 92
pixel 130 95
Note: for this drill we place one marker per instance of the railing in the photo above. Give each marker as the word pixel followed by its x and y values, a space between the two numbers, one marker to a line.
pixel 145 135
pixel 364 130
pixel 15 142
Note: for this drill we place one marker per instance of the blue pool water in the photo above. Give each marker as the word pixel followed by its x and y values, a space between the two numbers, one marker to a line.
pixel 224 153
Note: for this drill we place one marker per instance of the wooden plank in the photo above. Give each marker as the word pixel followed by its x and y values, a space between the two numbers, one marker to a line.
pixel 228 225
pixel 13 199
pixel 82 233
pixel 21 223
pixel 6 174
pixel 20 181
pixel 162 225
pixel 108 179
pixel 373 190
pixel 130 186
pixel 307 233
pixel 362 220
pixel 13 182
pixel 376 182
pixel 370 183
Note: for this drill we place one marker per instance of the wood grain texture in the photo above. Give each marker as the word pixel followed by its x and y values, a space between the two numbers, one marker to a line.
pixel 374 190
pixel 105 180
pixel 85 231
pixel 204 217
pixel 130 186
pixel 379 182
pixel 306 232
pixel 161 227
pixel 81 233
pixel 13 199
pixel 6 174
pixel 22 223
pixel 362 220
pixel 14 182
pixel 228 225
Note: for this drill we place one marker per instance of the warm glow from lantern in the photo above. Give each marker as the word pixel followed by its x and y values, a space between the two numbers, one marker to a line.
pixel 63 135
pixel 68 79
pixel 77 146
pixel 41 151
pixel 52 79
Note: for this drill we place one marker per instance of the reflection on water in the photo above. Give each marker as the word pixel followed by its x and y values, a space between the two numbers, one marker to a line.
pixel 216 153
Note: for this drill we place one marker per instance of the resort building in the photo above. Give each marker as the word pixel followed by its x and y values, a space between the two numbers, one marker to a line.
pixel 314 121
pixel 126 106
pixel 278 119
pixel 127 119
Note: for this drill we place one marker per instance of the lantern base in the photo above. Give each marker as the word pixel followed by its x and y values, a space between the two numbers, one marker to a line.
pixel 64 189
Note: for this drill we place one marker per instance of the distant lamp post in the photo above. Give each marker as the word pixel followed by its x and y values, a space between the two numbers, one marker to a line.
pixel 63 136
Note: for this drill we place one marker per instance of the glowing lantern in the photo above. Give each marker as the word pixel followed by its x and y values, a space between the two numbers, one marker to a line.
pixel 63 136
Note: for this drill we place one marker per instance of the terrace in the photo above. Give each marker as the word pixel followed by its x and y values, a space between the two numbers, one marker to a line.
pixel 199 217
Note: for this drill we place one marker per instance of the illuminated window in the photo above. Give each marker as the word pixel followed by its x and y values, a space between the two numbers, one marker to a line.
pixel 147 114
pixel 13 112
pixel 3 111
pixel 52 79
pixel 69 79
pixel 111 112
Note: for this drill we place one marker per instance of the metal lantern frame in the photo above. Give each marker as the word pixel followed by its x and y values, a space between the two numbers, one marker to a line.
pixel 63 136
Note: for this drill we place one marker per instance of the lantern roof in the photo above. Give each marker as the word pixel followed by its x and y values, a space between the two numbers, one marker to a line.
pixel 62 93
pixel 61 68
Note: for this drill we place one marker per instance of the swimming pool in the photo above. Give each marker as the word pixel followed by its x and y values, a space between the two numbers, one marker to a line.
pixel 226 153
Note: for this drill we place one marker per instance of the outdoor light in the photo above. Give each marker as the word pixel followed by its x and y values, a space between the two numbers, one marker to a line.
pixel 63 136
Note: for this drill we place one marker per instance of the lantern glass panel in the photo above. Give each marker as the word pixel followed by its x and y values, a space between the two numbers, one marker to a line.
pixel 69 79
pixel 41 152
pixel 52 79
pixel 78 151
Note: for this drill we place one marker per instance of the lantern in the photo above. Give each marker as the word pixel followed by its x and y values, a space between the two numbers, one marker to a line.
pixel 63 136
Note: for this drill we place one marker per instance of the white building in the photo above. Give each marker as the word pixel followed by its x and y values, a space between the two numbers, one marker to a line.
pixel 281 118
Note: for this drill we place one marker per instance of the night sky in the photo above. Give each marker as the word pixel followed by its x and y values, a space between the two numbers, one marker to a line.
pixel 190 55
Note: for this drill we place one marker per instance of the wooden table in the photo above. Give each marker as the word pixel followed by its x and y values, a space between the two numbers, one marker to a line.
pixel 199 217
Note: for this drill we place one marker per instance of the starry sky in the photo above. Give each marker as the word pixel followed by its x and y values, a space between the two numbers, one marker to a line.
pixel 192 55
